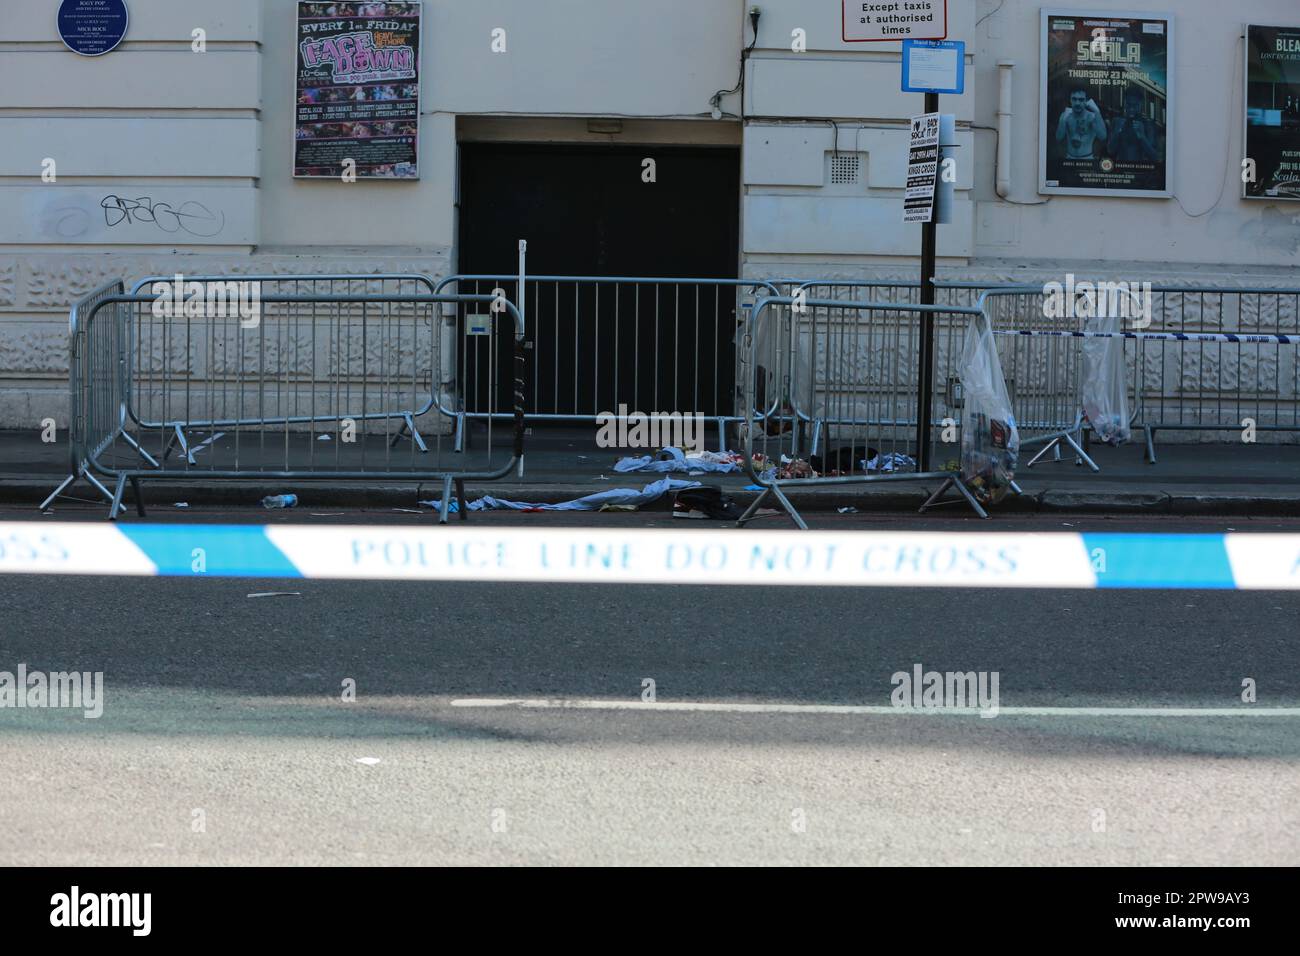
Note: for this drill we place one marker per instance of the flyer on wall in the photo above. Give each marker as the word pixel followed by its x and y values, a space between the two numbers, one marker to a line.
pixel 1272 113
pixel 358 90
pixel 1106 103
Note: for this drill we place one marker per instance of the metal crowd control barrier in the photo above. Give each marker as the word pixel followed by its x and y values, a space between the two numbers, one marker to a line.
pixel 1166 340
pixel 1225 360
pixel 899 291
pixel 1231 363
pixel 599 344
pixel 399 284
pixel 80 393
pixel 341 360
pixel 1043 362
pixel 843 367
pixel 1044 372
pixel 948 335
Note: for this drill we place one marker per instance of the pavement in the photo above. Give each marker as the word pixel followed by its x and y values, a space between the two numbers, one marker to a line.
pixel 509 724
pixel 563 464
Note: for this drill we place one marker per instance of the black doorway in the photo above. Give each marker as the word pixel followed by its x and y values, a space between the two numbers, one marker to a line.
pixel 587 211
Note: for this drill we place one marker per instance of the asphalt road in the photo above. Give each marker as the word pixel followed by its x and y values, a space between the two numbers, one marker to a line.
pixel 225 738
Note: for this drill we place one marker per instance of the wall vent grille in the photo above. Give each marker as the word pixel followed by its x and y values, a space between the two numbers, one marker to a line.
pixel 844 169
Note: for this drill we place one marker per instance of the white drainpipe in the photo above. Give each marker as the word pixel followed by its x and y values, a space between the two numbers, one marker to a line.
pixel 1003 184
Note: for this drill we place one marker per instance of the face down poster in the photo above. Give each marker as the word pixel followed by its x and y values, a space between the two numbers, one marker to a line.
pixel 358 108
pixel 1272 169
pixel 1105 95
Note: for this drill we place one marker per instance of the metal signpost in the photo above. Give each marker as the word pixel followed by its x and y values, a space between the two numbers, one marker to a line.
pixel 930 67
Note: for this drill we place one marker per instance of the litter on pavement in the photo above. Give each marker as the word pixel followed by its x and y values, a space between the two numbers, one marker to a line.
pixel 674 460
pixel 615 496
pixel 199 447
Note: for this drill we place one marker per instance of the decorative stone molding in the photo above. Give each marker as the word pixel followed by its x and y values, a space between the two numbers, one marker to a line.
pixel 8 284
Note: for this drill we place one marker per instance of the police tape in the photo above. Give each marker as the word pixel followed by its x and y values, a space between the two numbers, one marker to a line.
pixel 694 556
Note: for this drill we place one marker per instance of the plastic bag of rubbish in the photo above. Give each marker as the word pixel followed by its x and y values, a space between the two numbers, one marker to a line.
pixel 990 443
pixel 1105 398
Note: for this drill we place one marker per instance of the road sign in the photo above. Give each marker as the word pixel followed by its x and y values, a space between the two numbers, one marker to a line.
pixel 922 169
pixel 877 21
pixel 934 66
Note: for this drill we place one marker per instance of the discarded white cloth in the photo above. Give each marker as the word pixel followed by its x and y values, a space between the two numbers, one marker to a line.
pixel 671 460
pixel 615 496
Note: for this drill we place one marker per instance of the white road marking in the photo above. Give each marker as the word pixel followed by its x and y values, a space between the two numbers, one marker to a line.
pixel 853 709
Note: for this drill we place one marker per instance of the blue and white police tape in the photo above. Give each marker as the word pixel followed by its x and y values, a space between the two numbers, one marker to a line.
pixel 598 556
pixel 1240 338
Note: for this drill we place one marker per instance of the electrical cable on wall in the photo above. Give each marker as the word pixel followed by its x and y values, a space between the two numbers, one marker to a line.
pixel 1227 161
pixel 985 17
pixel 715 101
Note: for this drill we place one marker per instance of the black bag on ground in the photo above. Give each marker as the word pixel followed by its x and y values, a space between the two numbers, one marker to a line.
pixel 707 501
pixel 847 460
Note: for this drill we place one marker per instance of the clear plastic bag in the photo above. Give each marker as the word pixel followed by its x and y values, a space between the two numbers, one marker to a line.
pixel 1105 396
pixel 990 442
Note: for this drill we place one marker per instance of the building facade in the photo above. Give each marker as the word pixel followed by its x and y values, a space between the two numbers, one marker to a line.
pixel 617 137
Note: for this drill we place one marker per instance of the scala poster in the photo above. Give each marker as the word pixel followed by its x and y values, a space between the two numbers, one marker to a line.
pixel 1106 103
pixel 358 90
pixel 1272 113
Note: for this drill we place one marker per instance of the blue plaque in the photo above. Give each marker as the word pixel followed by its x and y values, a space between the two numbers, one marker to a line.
pixel 92 27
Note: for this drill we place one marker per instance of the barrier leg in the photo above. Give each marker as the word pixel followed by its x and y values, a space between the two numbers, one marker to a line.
pixel 178 438
pixel 149 459
pixel 935 500
pixel 460 499
pixel 408 428
pixel 1151 445
pixel 1083 455
pixel 116 505
pixel 139 497
pixel 752 511
pixel 458 443
pixel 970 498
pixel 446 500
pixel 790 509
pixel 1053 445
pixel 45 505
pixel 102 490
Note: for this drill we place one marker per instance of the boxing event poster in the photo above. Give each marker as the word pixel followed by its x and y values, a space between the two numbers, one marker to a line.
pixel 358 90
pixel 1106 103
pixel 1272 113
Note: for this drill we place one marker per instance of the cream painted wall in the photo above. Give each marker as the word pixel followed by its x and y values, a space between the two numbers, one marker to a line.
pixel 154 123
pixel 796 220
pixel 215 130
pixel 1208 223
pixel 563 57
